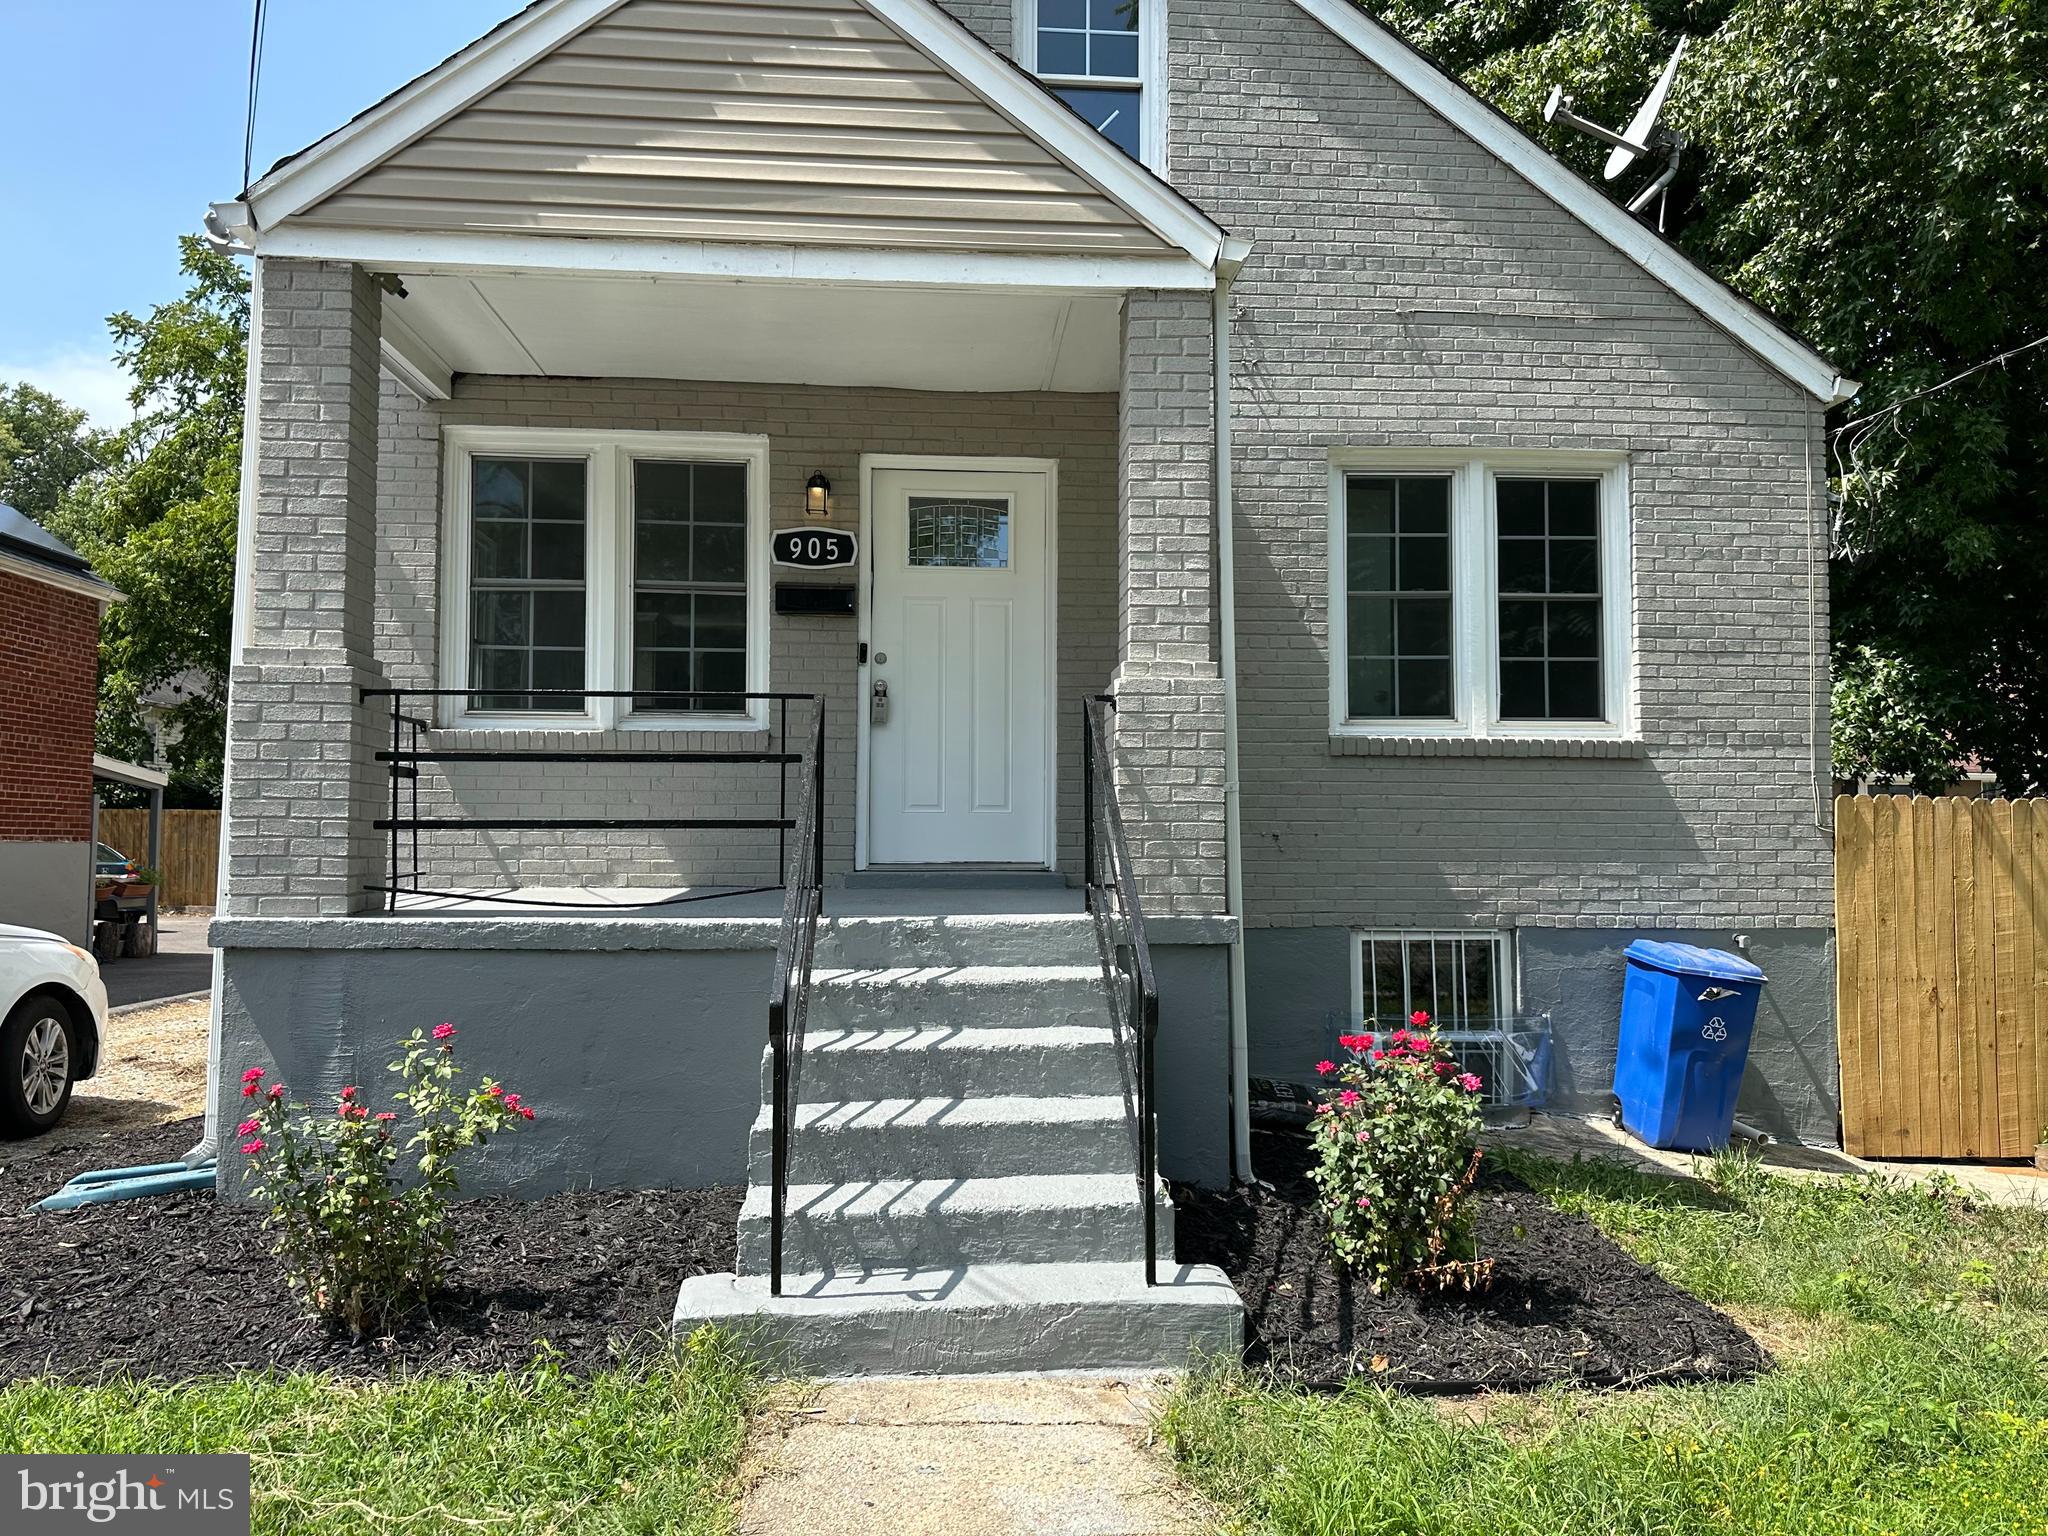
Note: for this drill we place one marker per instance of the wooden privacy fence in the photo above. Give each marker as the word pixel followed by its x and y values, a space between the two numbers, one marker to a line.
pixel 191 851
pixel 1941 980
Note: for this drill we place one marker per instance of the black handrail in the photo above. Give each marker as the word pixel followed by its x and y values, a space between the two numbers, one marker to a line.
pixel 406 753
pixel 1112 896
pixel 789 991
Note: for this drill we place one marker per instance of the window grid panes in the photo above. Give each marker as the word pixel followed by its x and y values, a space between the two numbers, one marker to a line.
pixel 689 586
pixel 1096 40
pixel 1548 565
pixel 1455 978
pixel 1398 596
pixel 959 532
pixel 528 525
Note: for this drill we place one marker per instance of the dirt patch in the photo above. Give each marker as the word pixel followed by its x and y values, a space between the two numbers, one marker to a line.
pixel 156 1072
pixel 1566 1304
pixel 182 1286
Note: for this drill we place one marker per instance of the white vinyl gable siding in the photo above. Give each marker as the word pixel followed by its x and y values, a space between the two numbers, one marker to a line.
pixel 784 121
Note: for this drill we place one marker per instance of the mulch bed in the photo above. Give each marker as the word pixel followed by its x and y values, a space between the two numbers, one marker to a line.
pixel 1566 1303
pixel 180 1286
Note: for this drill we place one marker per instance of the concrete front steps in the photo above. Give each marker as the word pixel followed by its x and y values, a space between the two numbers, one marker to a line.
pixel 963 1187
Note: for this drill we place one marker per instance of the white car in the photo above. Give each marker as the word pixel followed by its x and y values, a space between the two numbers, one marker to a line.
pixel 53 1026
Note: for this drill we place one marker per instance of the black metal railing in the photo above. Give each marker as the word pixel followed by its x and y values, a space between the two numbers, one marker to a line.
pixel 409 750
pixel 1112 895
pixel 789 990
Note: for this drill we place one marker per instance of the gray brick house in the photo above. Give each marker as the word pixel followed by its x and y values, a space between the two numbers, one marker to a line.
pixel 1451 547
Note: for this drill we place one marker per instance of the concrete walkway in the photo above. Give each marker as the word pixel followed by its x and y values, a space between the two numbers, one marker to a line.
pixel 967 1456
pixel 1565 1137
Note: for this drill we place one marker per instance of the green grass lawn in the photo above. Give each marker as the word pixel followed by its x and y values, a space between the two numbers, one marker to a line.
pixel 1912 1394
pixel 652 1447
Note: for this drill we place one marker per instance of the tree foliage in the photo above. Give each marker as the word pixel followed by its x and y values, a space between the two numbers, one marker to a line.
pixel 158 518
pixel 1874 173
pixel 45 447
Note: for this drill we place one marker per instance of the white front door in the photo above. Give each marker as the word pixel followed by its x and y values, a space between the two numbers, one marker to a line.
pixel 957 768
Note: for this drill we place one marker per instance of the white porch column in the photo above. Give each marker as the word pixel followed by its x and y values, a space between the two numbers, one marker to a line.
pixel 304 788
pixel 1169 689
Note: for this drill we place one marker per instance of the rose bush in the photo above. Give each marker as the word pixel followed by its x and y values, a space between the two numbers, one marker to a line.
pixel 363 1240
pixel 1396 1143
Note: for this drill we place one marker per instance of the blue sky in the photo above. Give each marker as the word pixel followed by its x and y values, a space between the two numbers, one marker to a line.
pixel 124 120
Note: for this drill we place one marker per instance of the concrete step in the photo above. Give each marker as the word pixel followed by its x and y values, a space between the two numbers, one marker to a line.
pixel 947 1061
pixel 949 1138
pixel 1027 938
pixel 942 1223
pixel 1012 996
pixel 978 1318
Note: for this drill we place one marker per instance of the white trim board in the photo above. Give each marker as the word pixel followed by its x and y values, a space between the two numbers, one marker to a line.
pixel 83 583
pixel 460 80
pixel 469 251
pixel 1450 100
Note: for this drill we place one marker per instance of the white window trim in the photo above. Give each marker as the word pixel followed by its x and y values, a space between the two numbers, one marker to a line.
pixel 1475 616
pixel 607 566
pixel 1151 78
pixel 1506 982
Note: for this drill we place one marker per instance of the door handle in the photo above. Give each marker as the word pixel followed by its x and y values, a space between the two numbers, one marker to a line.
pixel 878 703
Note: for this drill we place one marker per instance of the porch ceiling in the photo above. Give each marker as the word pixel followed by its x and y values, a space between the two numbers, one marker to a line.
pixel 591 325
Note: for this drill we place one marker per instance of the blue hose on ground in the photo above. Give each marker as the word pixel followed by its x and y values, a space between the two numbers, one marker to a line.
pixel 103 1184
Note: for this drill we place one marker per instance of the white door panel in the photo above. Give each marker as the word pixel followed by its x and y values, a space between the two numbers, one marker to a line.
pixel 958 629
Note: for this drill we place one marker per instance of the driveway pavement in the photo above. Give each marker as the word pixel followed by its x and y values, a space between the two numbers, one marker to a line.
pixel 182 964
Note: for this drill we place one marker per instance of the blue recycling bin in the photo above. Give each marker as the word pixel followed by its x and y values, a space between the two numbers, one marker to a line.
pixel 1686 1018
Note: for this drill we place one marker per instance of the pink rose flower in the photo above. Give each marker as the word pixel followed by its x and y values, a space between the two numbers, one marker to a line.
pixel 1347 1098
pixel 526 1112
pixel 1326 1067
pixel 386 1115
pixel 1469 1082
pixel 347 1094
pixel 444 1031
pixel 1419 1018
pixel 1365 1202
pixel 252 1146
pixel 253 1075
pixel 247 1128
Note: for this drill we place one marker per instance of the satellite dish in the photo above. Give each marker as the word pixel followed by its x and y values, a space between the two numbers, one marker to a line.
pixel 1644 122
pixel 1643 137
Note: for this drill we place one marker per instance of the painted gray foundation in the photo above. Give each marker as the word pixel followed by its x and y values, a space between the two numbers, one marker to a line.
pixel 639 1040
pixel 47 886
pixel 1298 977
pixel 644 1066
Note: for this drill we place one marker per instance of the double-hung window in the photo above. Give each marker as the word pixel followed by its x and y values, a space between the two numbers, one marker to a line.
pixel 580 564
pixel 1484 598
pixel 1101 57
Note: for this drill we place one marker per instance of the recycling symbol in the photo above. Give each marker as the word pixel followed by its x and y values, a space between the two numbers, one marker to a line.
pixel 1715 1028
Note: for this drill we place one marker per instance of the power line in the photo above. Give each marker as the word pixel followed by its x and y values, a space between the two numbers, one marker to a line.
pixel 1848 439
pixel 256 24
pixel 1935 389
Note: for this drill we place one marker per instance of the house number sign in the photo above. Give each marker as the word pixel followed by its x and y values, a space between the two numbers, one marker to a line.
pixel 814 549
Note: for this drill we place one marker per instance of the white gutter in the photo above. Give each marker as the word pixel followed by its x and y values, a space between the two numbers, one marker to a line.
pixel 238 640
pixel 1232 257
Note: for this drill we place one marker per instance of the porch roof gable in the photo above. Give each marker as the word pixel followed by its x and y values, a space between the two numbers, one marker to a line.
pixel 848 124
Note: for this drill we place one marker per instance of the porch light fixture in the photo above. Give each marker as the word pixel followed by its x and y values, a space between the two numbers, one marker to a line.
pixel 817 497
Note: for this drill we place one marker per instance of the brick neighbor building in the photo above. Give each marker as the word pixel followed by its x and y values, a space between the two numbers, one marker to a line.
pixel 50 607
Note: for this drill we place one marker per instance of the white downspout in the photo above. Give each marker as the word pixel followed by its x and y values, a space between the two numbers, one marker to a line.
pixel 232 239
pixel 1231 258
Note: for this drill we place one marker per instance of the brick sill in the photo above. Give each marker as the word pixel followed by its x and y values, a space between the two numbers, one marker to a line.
pixel 1487 746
